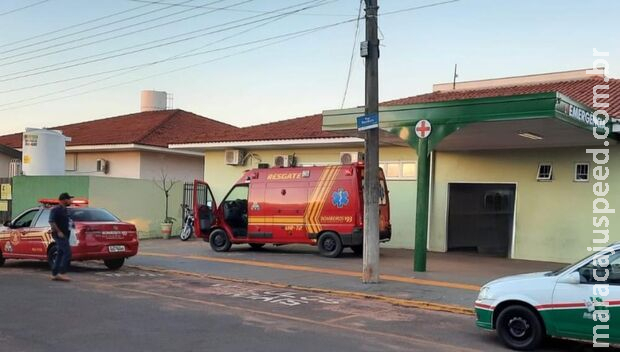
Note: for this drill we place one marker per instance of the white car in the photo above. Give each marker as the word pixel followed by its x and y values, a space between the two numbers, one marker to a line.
pixel 580 301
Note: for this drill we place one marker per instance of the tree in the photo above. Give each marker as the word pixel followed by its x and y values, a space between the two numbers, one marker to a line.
pixel 165 184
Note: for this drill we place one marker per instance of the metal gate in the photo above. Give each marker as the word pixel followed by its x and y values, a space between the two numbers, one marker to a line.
pixel 188 194
pixel 201 193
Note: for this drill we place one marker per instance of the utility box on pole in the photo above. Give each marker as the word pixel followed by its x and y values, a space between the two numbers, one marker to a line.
pixel 370 51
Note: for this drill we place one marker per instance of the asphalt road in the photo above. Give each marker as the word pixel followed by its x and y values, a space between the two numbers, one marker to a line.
pixel 135 310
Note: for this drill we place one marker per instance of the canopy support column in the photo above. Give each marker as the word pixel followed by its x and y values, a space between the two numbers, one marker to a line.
pixel 421 222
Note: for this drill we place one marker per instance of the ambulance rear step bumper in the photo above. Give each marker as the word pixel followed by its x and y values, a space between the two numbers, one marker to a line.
pixel 357 237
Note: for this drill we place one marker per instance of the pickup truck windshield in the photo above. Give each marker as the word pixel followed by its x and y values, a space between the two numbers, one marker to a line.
pixel 91 214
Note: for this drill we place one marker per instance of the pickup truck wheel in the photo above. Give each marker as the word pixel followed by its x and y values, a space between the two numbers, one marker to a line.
pixel 330 245
pixel 52 253
pixel 219 241
pixel 2 260
pixel 520 328
pixel 114 264
pixel 257 245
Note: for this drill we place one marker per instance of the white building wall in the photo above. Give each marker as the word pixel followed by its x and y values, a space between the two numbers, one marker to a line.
pixel 177 167
pixel 133 164
pixel 121 164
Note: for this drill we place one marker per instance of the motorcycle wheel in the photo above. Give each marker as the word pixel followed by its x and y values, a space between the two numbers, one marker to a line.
pixel 186 232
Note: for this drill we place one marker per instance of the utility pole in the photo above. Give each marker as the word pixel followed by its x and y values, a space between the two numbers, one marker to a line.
pixel 454 78
pixel 370 50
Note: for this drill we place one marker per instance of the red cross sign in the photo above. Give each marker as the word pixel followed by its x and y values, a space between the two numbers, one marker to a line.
pixel 423 128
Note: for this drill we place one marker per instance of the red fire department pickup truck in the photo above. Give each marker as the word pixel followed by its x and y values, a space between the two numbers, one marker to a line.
pixel 96 234
pixel 320 205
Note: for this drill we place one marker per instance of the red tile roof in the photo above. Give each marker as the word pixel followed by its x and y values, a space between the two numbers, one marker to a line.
pixel 161 128
pixel 578 90
pixel 306 127
pixel 152 128
pixel 311 126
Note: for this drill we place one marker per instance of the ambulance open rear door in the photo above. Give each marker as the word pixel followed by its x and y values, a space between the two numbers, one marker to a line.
pixel 204 208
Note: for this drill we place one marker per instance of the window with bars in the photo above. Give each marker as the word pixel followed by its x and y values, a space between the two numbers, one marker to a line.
pixel 582 172
pixel 545 172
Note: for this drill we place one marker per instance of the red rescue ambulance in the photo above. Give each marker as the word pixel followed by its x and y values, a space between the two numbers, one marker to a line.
pixel 319 205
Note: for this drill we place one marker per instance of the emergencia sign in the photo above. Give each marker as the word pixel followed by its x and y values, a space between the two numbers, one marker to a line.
pixel 579 114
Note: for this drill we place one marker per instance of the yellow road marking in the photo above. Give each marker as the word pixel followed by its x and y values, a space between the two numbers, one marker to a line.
pixel 338 272
pixel 346 317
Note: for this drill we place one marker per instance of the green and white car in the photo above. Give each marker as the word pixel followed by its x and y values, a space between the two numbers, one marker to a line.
pixel 568 303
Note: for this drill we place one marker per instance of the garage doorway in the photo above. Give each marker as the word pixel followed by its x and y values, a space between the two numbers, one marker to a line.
pixel 481 218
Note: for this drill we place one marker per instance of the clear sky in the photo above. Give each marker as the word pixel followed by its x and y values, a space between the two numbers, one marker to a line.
pixel 301 76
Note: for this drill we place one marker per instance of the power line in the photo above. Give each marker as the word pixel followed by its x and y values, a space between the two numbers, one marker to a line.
pixel 239 10
pixel 291 37
pixel 122 70
pixel 74 26
pixel 286 37
pixel 117 36
pixel 418 7
pixel 23 7
pixel 24 74
pixel 93 28
pixel 171 58
pixel 346 89
pixel 357 28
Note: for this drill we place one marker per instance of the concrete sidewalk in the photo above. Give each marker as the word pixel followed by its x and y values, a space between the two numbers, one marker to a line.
pixel 452 279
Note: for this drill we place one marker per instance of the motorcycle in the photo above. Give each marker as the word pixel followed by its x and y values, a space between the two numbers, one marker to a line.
pixel 187 231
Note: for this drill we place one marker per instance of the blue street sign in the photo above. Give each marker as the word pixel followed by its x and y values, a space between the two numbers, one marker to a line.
pixel 367 122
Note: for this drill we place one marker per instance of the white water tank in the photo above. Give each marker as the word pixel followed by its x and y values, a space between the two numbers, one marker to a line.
pixel 153 100
pixel 43 152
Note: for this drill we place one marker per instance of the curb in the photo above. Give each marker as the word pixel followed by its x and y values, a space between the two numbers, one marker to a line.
pixel 319 270
pixel 408 303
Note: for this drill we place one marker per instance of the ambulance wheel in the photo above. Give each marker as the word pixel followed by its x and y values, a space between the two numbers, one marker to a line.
pixel 52 253
pixel 114 264
pixel 219 241
pixel 330 245
pixel 257 245
pixel 520 328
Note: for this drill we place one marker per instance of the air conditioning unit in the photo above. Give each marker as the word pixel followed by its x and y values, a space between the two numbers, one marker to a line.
pixel 234 157
pixel 103 166
pixel 351 157
pixel 281 161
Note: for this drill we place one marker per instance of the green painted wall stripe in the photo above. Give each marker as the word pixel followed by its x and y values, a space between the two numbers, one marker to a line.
pixel 27 190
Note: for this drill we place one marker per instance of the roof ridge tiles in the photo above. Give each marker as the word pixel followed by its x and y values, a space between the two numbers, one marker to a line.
pixel 157 126
pixel 283 120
